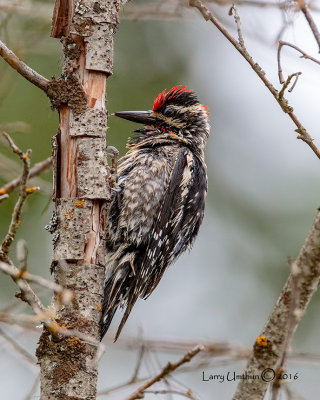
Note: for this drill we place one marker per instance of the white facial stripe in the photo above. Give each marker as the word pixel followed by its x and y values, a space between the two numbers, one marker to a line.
pixel 193 109
pixel 168 120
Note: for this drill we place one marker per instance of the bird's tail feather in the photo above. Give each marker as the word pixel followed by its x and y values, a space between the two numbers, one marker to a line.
pixel 132 298
pixel 114 293
pixel 118 292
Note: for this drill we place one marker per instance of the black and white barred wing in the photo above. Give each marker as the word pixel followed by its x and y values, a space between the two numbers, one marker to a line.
pixel 178 221
pixel 175 227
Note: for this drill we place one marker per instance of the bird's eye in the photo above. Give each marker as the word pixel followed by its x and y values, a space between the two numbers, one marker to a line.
pixel 168 111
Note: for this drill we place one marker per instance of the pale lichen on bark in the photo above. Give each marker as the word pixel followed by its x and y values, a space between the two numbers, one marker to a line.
pixel 89 184
pixel 91 123
pixel 73 216
pixel 97 25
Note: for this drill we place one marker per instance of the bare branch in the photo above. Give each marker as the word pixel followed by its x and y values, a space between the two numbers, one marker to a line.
pixel 170 367
pixel 175 9
pixel 280 327
pixel 21 319
pixel 287 83
pixel 138 365
pixel 211 348
pixel 15 220
pixel 22 255
pixel 64 295
pixel 3 197
pixel 238 23
pixel 47 319
pixel 303 55
pixel 54 328
pixel 305 9
pixel 214 354
pixel 188 394
pixel 23 69
pixel 19 349
pixel 27 293
pixel 216 348
pixel 30 395
pixel 283 102
pixel 282 5
pixel 39 10
pixel 34 171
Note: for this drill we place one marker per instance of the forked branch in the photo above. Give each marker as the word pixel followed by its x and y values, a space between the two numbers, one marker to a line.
pixel 170 367
pixel 15 220
pixel 303 55
pixel 239 45
pixel 34 171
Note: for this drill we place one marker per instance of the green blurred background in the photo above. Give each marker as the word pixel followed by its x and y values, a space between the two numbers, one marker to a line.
pixel 263 182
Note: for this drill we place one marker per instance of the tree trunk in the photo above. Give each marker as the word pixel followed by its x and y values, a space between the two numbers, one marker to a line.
pixel 81 191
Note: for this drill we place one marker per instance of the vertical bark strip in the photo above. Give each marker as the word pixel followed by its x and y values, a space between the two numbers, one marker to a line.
pixel 86 29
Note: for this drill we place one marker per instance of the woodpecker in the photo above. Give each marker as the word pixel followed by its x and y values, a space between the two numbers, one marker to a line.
pixel 158 207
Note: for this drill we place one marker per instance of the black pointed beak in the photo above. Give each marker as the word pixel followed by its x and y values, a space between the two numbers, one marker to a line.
pixel 142 117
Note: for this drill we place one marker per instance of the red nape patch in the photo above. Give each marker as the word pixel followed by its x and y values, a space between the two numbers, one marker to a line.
pixel 206 109
pixel 165 96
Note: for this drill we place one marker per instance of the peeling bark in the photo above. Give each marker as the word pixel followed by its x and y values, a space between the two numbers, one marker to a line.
pixel 81 191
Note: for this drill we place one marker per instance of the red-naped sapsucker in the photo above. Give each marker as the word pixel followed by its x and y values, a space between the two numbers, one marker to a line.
pixel 157 210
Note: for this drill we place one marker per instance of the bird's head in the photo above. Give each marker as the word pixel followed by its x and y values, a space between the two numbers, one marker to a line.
pixel 177 114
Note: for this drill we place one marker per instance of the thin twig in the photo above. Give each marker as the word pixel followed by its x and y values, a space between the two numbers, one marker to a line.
pixel 283 102
pixel 3 197
pixel 211 348
pixel 39 10
pixel 19 349
pixel 64 295
pixel 296 77
pixel 29 296
pixel 282 5
pixel 305 9
pixel 23 69
pixel 22 319
pixel 15 220
pixel 188 394
pixel 47 319
pixel 182 387
pixel 138 365
pixel 287 83
pixel 216 348
pixel 27 293
pixel 167 12
pixel 99 353
pixel 54 328
pixel 212 357
pixel 170 367
pixel 16 304
pixel 237 20
pixel 31 393
pixel 22 255
pixel 303 55
pixel 34 171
